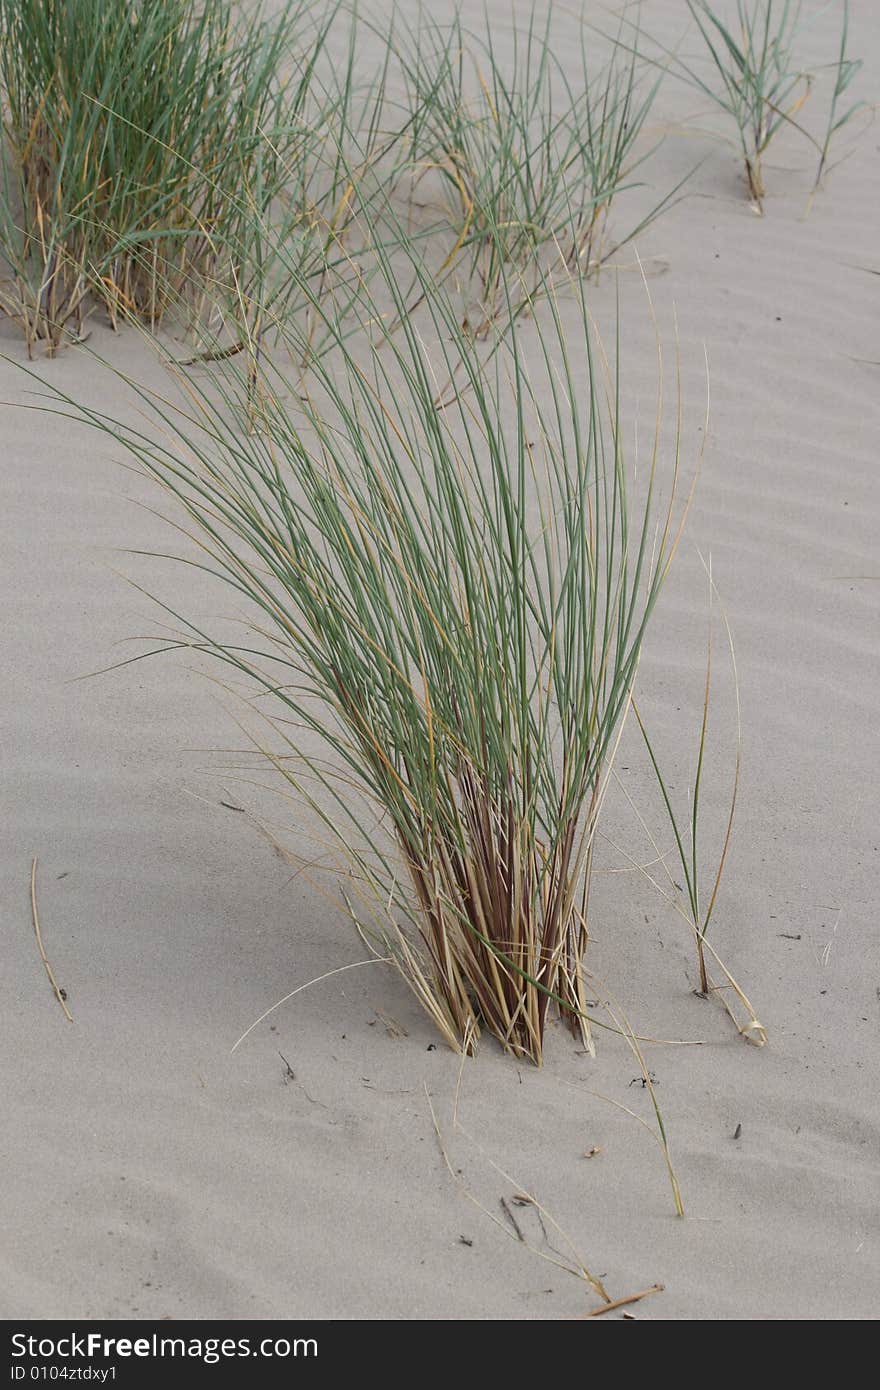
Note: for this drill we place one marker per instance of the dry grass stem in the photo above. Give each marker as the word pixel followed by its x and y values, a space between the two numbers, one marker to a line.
pixel 57 990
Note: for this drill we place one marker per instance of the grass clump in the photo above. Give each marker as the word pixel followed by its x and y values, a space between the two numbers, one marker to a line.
pixel 450 586
pixel 130 129
pixel 529 155
pixel 762 86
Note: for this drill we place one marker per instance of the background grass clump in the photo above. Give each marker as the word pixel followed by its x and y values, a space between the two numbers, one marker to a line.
pixel 758 81
pixel 529 157
pixel 131 128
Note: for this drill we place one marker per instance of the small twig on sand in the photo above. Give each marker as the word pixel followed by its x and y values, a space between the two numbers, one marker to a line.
pixel 512 1219
pixel 59 993
pixel 622 1302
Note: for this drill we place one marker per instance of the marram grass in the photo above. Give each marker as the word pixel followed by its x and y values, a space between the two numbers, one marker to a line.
pixel 530 154
pixel 130 128
pixel 450 572
pixel 761 87
pixel 759 83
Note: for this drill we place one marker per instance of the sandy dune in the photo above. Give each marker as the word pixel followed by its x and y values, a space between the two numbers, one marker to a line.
pixel 147 1172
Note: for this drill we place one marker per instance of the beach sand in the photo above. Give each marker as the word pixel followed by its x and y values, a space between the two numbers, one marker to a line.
pixel 148 1172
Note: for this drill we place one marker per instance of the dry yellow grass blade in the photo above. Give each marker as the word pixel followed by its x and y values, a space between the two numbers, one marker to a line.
pixel 56 988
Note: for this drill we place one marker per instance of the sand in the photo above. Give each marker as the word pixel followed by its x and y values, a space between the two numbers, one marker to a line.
pixel 147 1172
